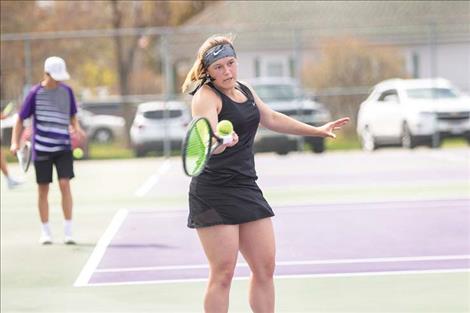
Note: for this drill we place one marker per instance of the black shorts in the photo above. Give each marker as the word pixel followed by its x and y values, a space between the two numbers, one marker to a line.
pixel 63 161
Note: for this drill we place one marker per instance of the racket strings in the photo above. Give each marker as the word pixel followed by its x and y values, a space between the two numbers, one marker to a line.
pixel 197 147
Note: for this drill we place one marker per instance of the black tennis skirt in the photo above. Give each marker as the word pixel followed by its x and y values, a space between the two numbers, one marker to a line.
pixel 238 202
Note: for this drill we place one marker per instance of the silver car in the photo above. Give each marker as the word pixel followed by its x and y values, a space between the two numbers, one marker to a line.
pixel 157 123
pixel 283 94
pixel 102 128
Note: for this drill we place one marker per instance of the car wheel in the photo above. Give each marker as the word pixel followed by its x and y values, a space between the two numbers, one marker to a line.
pixel 139 152
pixel 367 140
pixel 318 147
pixel 408 141
pixel 433 142
pixel 282 150
pixel 103 135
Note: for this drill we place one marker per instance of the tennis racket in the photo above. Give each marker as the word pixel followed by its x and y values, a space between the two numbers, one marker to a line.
pixel 24 155
pixel 198 145
pixel 8 109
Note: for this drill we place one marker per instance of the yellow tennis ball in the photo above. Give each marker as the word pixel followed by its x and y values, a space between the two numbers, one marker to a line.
pixel 224 128
pixel 78 153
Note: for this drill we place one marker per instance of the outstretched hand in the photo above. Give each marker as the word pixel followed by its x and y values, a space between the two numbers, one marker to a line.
pixel 330 127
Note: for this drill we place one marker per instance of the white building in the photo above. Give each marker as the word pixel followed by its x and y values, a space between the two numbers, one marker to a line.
pixel 271 36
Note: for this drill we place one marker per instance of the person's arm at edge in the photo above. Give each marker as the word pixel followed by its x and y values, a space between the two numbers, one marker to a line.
pixel 27 109
pixel 15 135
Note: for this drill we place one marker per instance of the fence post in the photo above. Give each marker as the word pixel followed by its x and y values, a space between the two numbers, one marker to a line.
pixel 168 90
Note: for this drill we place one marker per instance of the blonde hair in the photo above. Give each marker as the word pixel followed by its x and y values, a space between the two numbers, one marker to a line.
pixel 198 71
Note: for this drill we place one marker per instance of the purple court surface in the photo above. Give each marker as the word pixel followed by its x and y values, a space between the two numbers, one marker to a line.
pixel 312 240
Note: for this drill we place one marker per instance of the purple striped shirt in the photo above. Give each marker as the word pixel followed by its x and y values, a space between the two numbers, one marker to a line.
pixel 51 110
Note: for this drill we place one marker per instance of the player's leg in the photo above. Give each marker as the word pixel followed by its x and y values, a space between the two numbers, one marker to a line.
pixel 67 201
pixel 3 164
pixel 257 244
pixel 11 182
pixel 220 245
pixel 64 167
pixel 43 203
pixel 43 169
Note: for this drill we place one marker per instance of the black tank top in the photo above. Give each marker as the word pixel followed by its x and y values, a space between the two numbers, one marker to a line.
pixel 235 163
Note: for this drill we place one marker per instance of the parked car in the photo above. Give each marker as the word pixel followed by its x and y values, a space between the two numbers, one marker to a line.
pixel 156 122
pixel 102 128
pixel 285 95
pixel 106 107
pixel 410 112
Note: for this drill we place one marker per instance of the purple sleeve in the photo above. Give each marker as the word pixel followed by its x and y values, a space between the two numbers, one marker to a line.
pixel 73 103
pixel 27 108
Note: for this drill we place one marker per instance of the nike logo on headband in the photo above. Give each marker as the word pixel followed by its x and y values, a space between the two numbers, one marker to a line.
pixel 218 51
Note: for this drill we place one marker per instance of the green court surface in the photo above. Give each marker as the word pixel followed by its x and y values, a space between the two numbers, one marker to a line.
pixel 38 278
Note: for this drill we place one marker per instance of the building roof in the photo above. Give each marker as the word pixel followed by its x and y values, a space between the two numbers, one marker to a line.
pixel 331 16
pixel 280 25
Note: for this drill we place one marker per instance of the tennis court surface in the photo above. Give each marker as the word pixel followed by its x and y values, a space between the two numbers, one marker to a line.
pixel 356 232
pixel 374 237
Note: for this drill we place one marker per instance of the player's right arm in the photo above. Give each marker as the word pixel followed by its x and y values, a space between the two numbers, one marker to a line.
pixel 206 103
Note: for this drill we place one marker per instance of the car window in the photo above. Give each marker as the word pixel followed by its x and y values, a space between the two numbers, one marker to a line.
pixel 159 114
pixel 388 94
pixel 431 93
pixel 276 92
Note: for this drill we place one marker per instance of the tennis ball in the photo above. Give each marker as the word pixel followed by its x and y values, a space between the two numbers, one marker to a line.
pixel 224 128
pixel 77 153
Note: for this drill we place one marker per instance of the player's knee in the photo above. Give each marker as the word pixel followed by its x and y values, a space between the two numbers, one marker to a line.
pixel 43 191
pixel 222 275
pixel 64 184
pixel 264 272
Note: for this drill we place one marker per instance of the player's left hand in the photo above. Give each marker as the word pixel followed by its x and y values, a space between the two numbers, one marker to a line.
pixel 81 135
pixel 329 128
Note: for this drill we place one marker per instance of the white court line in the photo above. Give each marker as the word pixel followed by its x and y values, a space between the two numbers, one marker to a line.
pixel 153 180
pixel 352 274
pixel 450 157
pixel 100 249
pixel 343 206
pixel 376 205
pixel 296 263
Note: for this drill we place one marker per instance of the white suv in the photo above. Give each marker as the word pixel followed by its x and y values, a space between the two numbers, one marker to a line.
pixel 158 122
pixel 409 112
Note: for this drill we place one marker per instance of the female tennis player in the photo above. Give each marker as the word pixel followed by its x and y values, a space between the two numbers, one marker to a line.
pixel 226 205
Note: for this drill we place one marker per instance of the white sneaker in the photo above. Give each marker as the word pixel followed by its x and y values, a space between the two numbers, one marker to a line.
pixel 68 240
pixel 12 183
pixel 45 239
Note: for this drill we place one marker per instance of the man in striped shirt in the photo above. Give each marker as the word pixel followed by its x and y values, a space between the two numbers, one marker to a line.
pixel 52 106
